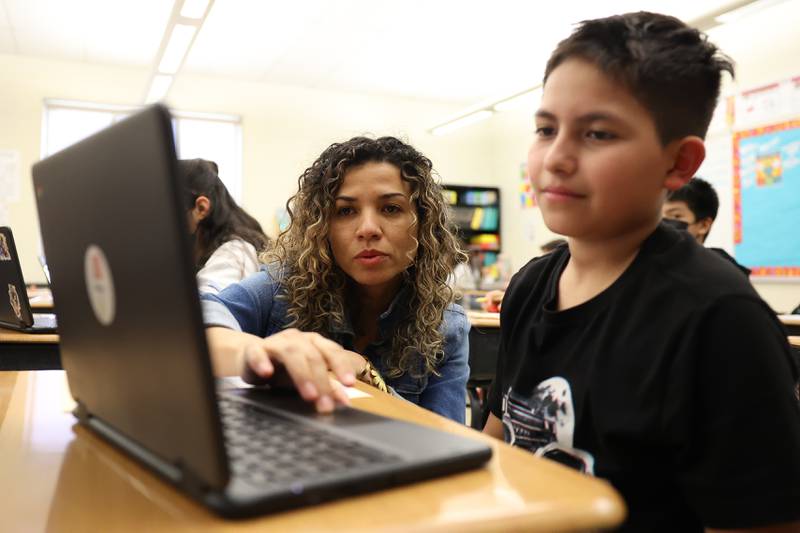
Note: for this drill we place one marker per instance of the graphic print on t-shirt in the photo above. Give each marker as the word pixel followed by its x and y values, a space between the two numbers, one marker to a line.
pixel 544 423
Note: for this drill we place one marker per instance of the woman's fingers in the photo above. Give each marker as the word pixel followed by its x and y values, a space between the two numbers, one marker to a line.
pixel 257 366
pixel 306 366
pixel 339 392
pixel 341 362
pixel 306 359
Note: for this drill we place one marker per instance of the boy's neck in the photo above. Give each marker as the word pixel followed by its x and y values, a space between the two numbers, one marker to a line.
pixel 595 265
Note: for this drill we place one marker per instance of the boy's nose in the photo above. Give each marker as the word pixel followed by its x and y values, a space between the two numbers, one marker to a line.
pixel 560 157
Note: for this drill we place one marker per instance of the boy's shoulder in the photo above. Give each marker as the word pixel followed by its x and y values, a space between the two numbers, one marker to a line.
pixel 674 263
pixel 671 266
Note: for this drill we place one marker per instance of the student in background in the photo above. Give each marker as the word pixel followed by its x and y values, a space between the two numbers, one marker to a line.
pixel 634 354
pixel 493 300
pixel 696 204
pixel 227 240
pixel 357 285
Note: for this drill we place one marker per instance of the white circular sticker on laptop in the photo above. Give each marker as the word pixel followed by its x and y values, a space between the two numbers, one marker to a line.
pixel 99 284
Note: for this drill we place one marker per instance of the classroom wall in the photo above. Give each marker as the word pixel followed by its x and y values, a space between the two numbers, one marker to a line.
pixel 283 129
pixel 764 46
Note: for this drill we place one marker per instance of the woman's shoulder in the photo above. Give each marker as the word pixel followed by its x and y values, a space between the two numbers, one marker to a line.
pixel 454 310
pixel 455 320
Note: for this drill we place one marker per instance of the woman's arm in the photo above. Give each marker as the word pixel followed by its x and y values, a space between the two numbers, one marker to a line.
pixel 446 394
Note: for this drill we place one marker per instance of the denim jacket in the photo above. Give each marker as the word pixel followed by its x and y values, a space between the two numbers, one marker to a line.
pixel 253 306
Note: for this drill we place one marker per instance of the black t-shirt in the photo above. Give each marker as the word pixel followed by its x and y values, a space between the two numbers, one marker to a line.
pixel 744 270
pixel 676 384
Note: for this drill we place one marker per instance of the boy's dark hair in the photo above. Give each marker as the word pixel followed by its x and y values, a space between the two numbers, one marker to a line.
pixel 700 197
pixel 669 67
pixel 226 220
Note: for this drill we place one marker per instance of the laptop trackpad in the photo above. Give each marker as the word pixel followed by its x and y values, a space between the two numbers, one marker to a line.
pixel 289 402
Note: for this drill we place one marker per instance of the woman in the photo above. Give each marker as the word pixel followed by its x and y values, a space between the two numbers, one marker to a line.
pixel 356 285
pixel 227 240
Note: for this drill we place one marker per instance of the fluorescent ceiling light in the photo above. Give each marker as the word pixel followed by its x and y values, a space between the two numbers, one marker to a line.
pixel 745 10
pixel 194 9
pixel 176 49
pixel 159 87
pixel 472 118
pixel 528 98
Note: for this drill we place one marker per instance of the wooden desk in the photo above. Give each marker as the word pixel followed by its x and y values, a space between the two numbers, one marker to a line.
pixel 791 323
pixel 483 319
pixel 57 477
pixel 484 343
pixel 40 298
pixel 28 351
pixel 794 341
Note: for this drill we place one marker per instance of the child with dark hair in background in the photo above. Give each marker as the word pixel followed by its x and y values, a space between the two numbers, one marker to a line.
pixel 227 240
pixel 696 204
pixel 635 354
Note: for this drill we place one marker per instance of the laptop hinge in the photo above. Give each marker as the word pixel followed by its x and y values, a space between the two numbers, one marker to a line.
pixel 176 473
pixel 80 411
pixel 191 483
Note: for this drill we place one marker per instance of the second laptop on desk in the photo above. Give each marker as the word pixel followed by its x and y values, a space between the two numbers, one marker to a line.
pixel 134 349
pixel 15 308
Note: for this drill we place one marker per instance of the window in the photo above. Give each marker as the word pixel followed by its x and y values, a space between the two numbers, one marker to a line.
pixel 210 136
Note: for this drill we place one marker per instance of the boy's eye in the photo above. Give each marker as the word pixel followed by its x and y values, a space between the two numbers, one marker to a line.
pixel 544 131
pixel 599 135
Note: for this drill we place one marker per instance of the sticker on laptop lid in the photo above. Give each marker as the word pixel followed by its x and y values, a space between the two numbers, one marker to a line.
pixel 13 298
pixel 99 284
pixel 5 253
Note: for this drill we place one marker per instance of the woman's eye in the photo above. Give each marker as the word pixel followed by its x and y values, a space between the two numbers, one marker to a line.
pixel 344 211
pixel 599 135
pixel 392 209
pixel 544 131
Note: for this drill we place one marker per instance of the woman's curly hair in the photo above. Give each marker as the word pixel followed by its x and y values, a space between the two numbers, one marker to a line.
pixel 316 286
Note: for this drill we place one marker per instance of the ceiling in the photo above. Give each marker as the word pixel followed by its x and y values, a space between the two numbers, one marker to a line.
pixel 447 50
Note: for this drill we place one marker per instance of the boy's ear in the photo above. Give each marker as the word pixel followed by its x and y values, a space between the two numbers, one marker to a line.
pixel 689 153
pixel 704 226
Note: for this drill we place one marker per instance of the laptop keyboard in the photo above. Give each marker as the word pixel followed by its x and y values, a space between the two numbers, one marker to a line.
pixel 268 449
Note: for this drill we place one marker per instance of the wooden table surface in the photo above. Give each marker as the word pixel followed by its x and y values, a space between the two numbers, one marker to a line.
pixel 790 320
pixel 794 340
pixel 483 319
pixel 40 298
pixel 60 477
pixel 9 336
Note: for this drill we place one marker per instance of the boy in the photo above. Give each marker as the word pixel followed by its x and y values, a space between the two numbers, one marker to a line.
pixel 634 354
pixel 696 204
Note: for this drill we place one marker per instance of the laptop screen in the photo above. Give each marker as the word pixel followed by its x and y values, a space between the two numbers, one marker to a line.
pixel 14 306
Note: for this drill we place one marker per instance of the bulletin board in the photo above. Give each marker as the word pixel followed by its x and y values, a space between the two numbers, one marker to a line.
pixel 766 206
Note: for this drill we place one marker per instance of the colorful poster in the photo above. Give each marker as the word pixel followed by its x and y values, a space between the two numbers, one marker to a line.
pixel 766 192
pixel 526 198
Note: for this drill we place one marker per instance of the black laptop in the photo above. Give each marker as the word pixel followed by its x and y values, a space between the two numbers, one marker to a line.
pixel 15 308
pixel 134 348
